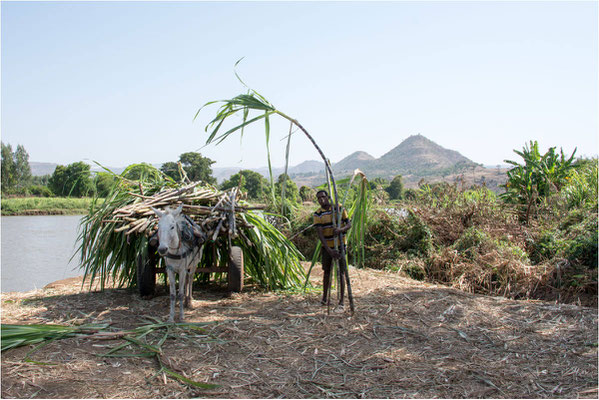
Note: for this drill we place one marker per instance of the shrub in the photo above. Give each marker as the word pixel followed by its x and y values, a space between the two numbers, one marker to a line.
pixel 416 236
pixel 544 248
pixel 582 250
pixel 473 242
pixel 40 191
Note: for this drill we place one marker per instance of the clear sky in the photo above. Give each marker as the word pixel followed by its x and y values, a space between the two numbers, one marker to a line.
pixel 120 82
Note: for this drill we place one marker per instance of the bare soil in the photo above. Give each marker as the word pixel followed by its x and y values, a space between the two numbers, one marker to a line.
pixel 406 339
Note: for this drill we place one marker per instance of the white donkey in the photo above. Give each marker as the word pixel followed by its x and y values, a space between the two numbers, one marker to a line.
pixel 180 256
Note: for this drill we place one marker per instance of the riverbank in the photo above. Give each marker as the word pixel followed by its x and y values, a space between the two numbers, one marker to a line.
pixel 13 206
pixel 406 339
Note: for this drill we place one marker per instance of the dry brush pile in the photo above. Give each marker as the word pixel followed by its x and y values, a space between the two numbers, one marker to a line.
pixel 471 241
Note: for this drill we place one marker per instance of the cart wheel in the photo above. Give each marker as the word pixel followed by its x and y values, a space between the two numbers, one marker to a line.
pixel 146 273
pixel 236 269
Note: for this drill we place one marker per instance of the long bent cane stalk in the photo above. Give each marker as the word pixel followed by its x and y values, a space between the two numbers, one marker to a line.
pixel 254 101
pixel 336 212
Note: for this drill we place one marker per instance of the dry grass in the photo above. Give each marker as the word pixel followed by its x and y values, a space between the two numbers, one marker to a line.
pixel 407 339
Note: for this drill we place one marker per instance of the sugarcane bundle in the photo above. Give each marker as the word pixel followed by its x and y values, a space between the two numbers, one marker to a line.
pixel 214 211
pixel 117 229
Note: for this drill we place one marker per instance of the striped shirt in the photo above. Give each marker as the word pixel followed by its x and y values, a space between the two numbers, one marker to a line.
pixel 324 219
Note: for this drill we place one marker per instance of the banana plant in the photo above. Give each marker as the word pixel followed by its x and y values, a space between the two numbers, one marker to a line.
pixel 538 177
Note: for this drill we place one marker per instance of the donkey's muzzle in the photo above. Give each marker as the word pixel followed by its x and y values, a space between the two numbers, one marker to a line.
pixel 162 250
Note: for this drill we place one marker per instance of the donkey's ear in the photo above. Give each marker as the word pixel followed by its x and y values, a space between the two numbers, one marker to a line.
pixel 178 210
pixel 158 212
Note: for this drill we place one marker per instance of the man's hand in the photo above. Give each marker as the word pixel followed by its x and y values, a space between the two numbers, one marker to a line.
pixel 333 253
pixel 343 229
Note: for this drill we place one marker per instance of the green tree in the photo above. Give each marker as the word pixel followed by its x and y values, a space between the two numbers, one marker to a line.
pixel 22 168
pixel 197 167
pixel 378 183
pixel 395 188
pixel 251 182
pixel 307 193
pixel 41 180
pixel 291 190
pixel 288 206
pixel 171 169
pixel 104 182
pixel 8 168
pixel 141 171
pixel 73 180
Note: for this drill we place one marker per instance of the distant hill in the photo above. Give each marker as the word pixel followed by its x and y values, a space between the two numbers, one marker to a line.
pixel 359 159
pixel 416 155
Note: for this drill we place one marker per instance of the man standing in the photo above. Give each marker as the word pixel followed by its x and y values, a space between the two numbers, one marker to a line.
pixel 323 221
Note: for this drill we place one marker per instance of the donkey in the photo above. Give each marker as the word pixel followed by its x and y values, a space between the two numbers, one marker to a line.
pixel 180 256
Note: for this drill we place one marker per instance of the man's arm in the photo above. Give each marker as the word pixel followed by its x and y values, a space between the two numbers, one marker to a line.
pixel 332 252
pixel 344 227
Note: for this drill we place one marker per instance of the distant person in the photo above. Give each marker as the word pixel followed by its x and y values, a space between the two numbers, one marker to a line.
pixel 323 221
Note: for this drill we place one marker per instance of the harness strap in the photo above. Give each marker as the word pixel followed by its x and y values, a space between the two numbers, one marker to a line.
pixel 180 256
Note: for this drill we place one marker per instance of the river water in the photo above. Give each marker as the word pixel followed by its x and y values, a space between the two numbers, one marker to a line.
pixel 36 251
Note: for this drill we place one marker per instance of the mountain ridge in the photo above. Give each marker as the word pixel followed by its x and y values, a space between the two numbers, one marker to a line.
pixel 415 158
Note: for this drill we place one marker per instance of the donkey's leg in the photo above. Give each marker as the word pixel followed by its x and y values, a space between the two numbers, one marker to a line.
pixel 182 288
pixel 172 292
pixel 192 273
pixel 189 288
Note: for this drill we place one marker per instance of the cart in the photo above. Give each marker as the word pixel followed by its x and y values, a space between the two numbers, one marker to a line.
pixel 147 268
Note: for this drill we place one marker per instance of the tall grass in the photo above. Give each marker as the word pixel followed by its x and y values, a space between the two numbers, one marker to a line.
pixel 45 205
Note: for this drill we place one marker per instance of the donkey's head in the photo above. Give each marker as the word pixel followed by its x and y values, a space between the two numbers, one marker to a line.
pixel 169 235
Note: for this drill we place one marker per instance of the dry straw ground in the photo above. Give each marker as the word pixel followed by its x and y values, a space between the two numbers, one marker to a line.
pixel 407 339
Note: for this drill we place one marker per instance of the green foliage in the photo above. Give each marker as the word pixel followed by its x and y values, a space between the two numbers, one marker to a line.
pixel 140 172
pixel 9 177
pixel 45 205
pixel 574 238
pixel 22 168
pixel 544 248
pixel 537 178
pixel 42 180
pixel 416 236
pixel 286 197
pixel 389 236
pixel 16 172
pixel 358 209
pixel 395 188
pixel 104 183
pixel 171 169
pixel 73 180
pixel 378 183
pixel 307 193
pixel 473 242
pixel 580 189
pixel 273 261
pixel 197 167
pixel 291 190
pixel 253 183
pixel 24 335
pixel 582 250
pixel 40 191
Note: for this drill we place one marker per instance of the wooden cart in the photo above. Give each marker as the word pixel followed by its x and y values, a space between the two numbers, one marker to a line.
pixel 147 268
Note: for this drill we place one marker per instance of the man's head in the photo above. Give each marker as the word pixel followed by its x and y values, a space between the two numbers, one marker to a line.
pixel 322 196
